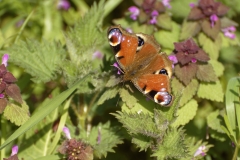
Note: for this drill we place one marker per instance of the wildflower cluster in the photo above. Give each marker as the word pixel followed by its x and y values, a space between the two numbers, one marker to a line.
pixel 8 88
pixel 148 11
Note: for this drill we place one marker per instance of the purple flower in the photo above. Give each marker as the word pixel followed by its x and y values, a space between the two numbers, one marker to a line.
pixel 97 55
pixel 63 4
pixel 134 12
pixel 192 4
pixel 14 150
pixel 194 60
pixel 117 66
pixel 173 58
pixel 213 19
pixel 229 32
pixel 5 58
pixel 154 15
pixel 200 151
pixel 2 96
pixel 166 3
pixel 67 132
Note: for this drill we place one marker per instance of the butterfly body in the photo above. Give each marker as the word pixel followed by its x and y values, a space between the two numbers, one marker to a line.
pixel 141 63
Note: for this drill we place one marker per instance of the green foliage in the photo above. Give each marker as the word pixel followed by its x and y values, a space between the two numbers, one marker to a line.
pixel 55 48
pixel 109 138
pixel 40 60
pixel 17 114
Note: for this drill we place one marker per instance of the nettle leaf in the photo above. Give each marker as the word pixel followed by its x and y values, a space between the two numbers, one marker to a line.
pixel 209 46
pixel 186 113
pixel 167 38
pixel 173 146
pixel 17 114
pixel 161 120
pixel 138 123
pixel 189 29
pixel 108 94
pixel 103 138
pixel 113 81
pixel 206 73
pixel 13 91
pixel 86 36
pixel 142 142
pixel 164 21
pixel 127 98
pixel 214 121
pixel 212 91
pixel 211 31
pixel 41 60
pixel 186 73
pixel 217 67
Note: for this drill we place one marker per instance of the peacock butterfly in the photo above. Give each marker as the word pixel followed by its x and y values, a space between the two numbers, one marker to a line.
pixel 139 60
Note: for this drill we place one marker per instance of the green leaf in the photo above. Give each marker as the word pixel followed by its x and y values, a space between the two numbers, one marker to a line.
pixel 103 138
pixel 173 146
pixel 214 122
pixel 127 98
pixel 41 141
pixel 86 36
pixel 179 8
pixel 108 94
pixel 110 6
pixel 217 67
pixel 186 113
pixel 164 21
pixel 233 105
pixel 142 142
pixel 43 112
pixel 209 46
pixel 41 60
pixel 138 123
pixel 187 92
pixel 212 91
pixel 206 73
pixel 17 114
pixel 189 29
pixel 167 38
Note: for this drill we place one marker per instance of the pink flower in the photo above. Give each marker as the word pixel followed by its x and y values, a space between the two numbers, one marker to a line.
pixel 67 132
pixel 154 15
pixel 117 66
pixel 213 19
pixel 14 150
pixel 173 58
pixel 192 4
pixel 166 3
pixel 63 4
pixel 5 58
pixel 134 12
pixel 229 32
pixel 97 55
pixel 200 151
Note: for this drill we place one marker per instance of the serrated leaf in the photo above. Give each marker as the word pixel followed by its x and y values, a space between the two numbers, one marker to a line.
pixel 214 121
pixel 13 91
pixel 108 94
pixel 179 8
pixel 86 36
pixel 41 60
pixel 103 138
pixel 211 31
pixel 164 21
pixel 187 92
pixel 113 81
pixel 212 91
pixel 173 146
pixel 209 46
pixel 127 98
pixel 206 73
pixel 167 38
pixel 138 123
pixel 186 113
pixel 189 29
pixel 17 114
pixel 142 142
pixel 186 73
pixel 217 67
